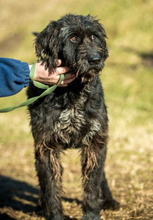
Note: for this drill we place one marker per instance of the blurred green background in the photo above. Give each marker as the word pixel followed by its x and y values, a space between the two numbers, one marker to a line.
pixel 127 80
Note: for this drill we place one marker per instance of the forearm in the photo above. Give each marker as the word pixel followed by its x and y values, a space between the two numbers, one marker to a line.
pixel 14 76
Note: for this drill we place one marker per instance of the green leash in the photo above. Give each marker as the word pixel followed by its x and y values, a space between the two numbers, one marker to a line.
pixel 48 90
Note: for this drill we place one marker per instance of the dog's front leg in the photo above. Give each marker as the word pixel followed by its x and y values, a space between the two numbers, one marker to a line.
pixel 93 158
pixel 49 172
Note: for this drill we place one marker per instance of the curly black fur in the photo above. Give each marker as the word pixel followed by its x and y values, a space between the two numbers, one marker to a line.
pixel 74 116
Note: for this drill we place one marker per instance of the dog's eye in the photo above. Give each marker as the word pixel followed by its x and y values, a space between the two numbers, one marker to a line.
pixel 74 39
pixel 93 37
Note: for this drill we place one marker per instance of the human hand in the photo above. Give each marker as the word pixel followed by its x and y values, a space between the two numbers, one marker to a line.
pixel 42 75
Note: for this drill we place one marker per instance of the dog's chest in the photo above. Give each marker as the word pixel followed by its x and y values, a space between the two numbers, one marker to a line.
pixel 75 127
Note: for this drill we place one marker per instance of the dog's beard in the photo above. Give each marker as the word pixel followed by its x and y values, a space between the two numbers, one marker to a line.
pixel 88 76
pixel 84 71
pixel 80 66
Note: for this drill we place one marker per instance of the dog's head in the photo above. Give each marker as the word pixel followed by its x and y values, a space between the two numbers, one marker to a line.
pixel 79 41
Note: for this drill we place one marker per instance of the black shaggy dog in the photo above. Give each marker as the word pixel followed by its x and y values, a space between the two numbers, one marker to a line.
pixel 74 116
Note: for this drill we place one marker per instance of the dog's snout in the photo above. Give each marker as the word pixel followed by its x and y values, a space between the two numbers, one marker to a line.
pixel 94 59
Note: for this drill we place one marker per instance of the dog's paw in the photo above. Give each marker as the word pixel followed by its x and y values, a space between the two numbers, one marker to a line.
pixel 111 204
pixel 55 218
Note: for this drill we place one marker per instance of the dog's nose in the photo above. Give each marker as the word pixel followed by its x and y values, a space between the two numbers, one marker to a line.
pixel 94 59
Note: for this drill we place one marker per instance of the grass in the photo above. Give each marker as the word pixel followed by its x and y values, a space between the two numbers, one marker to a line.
pixel 127 80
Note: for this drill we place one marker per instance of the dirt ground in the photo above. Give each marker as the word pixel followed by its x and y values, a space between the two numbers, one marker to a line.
pixel 18 200
pixel 19 191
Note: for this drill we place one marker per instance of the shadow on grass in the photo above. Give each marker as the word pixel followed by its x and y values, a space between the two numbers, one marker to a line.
pixel 146 57
pixel 20 196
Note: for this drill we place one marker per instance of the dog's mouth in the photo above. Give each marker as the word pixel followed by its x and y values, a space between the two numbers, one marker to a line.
pixel 87 76
pixel 85 68
pixel 89 68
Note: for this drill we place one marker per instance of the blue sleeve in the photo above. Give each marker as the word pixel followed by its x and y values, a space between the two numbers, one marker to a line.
pixel 14 76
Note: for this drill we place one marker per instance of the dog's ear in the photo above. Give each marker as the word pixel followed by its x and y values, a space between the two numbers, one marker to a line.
pixel 102 36
pixel 47 45
pixel 35 34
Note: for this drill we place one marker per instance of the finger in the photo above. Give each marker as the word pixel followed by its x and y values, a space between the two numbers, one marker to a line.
pixel 68 76
pixel 59 62
pixel 65 82
pixel 61 70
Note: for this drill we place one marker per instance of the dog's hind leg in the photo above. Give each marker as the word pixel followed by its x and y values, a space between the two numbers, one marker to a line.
pixel 93 157
pixel 49 172
pixel 108 201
